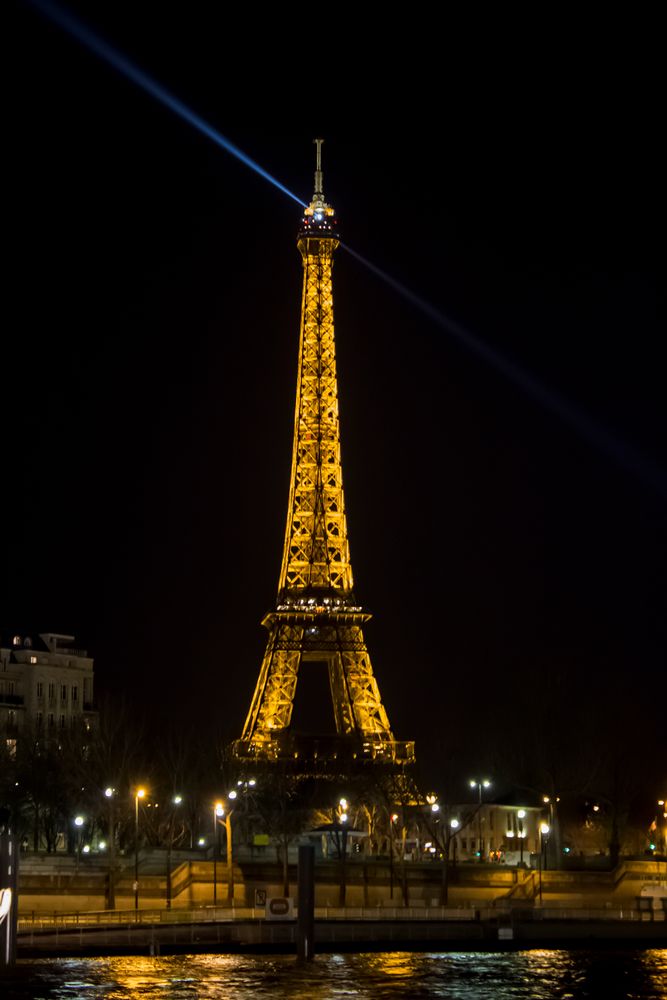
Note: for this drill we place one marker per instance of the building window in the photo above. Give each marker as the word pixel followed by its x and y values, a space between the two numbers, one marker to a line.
pixel 39 719
pixel 11 718
pixel 40 689
pixel 63 692
pixel 62 721
pixel 33 659
pixel 10 687
pixel 51 720
pixel 11 748
pixel 16 641
pixel 75 692
pixel 52 691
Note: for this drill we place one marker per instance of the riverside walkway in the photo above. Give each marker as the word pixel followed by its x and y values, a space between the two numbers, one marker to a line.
pixel 233 929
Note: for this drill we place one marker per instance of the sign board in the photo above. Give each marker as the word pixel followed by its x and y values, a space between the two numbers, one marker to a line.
pixel 260 840
pixel 260 897
pixel 280 908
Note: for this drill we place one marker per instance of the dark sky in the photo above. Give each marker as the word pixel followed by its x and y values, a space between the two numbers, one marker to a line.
pixel 149 360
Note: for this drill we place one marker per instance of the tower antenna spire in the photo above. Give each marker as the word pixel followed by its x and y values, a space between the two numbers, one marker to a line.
pixel 318 168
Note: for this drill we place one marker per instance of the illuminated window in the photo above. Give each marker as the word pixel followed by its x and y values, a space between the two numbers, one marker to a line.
pixel 33 659
pixel 11 748
pixel 16 641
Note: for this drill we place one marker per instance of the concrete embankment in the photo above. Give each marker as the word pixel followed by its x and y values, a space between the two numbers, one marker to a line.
pixel 504 931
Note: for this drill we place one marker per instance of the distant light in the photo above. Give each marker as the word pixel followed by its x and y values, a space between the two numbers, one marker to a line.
pixel 178 799
pixel 201 842
pixel 252 782
pixel 86 849
pixel 521 814
pixel 108 792
pixel 102 845
pixel 343 803
pixel 232 795
pixel 394 817
pixel 544 829
pixel 343 817
pixel 596 809
pixel 141 793
pixel 487 784
pixel 454 823
pixel 566 850
pixel 78 821
pixel 435 807
pixel 473 784
pixel 219 810
pixel 510 833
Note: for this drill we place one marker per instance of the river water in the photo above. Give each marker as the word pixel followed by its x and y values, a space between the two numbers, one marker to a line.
pixel 538 974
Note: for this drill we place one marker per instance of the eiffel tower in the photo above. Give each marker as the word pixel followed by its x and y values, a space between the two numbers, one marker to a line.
pixel 316 617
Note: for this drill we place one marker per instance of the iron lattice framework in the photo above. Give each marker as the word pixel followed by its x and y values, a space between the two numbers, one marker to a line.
pixel 316 616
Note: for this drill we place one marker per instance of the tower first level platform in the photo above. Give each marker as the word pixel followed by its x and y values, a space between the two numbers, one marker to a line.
pixel 316 618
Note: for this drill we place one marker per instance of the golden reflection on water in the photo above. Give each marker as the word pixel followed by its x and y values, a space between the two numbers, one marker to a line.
pixel 537 974
pixel 393 963
pixel 655 963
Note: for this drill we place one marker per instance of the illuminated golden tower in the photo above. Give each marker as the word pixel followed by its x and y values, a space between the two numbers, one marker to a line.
pixel 316 617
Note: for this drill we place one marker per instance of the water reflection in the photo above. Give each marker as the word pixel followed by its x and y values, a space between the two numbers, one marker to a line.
pixel 529 975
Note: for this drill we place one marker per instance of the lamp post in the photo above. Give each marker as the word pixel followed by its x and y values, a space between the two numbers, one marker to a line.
pixel 218 812
pixel 78 823
pixel 230 849
pixel 139 794
pixel 176 801
pixel 110 793
pixel 521 834
pixel 342 821
pixel 544 833
pixel 392 819
pixel 479 785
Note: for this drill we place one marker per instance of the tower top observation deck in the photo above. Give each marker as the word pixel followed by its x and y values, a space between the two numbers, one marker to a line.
pixel 319 217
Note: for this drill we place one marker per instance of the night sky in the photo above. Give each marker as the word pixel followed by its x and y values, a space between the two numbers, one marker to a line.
pixel 149 361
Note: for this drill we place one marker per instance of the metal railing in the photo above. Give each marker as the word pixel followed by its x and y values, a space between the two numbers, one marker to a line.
pixel 229 914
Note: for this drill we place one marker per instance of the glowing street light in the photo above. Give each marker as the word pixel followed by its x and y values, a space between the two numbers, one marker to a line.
pixel 139 794
pixel 218 813
pixel 176 801
pixel 544 833
pixel 479 785
pixel 78 823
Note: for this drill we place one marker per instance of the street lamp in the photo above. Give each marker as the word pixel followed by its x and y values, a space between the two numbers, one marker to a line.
pixel 78 823
pixel 544 833
pixel 176 801
pixel 521 833
pixel 110 793
pixel 392 820
pixel 139 794
pixel 479 785
pixel 218 813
